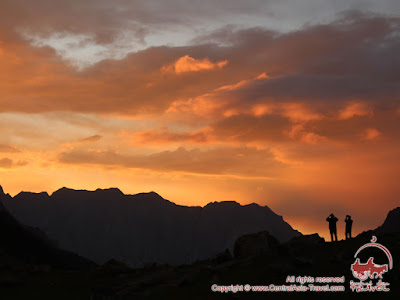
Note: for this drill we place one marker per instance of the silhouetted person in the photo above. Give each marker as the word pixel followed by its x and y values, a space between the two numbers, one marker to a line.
pixel 332 225
pixel 349 223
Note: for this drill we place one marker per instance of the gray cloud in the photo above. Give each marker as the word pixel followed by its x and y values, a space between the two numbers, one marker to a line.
pixel 355 57
pixel 105 19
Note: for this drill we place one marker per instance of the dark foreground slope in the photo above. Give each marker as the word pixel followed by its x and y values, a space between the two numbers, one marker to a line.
pixel 259 259
pixel 304 256
pixel 143 228
pixel 26 250
pixel 29 245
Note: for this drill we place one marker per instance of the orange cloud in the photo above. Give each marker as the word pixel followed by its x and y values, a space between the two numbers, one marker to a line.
pixel 232 87
pixel 355 109
pixel 90 139
pixel 83 141
pixel 8 148
pixel 219 102
pixel 204 106
pixel 165 136
pixel 187 64
pixel 371 134
pixel 298 132
pixel 298 112
pixel 262 109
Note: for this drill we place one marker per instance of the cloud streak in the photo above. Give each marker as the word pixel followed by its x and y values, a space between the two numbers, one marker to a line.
pixel 221 161
pixel 8 149
pixel 7 163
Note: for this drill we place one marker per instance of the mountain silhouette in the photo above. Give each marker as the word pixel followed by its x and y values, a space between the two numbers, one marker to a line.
pixel 21 245
pixel 143 228
pixel 391 223
pixel 259 257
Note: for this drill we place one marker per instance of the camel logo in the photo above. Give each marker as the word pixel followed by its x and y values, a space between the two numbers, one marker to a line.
pixel 371 270
pixel 363 271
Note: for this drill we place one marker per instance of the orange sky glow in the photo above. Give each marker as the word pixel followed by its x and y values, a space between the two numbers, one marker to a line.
pixel 305 120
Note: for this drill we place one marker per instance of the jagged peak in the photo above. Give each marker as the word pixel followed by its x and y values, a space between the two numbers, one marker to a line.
pixel 23 193
pixel 62 190
pixel 252 205
pixel 257 206
pixel 109 192
pixel 151 194
pixel 151 197
pixel 227 203
pixel 391 223
pixel 236 204
pixel 65 190
pixel 3 195
pixel 395 211
pixel 233 203
pixel 112 190
pixel 154 193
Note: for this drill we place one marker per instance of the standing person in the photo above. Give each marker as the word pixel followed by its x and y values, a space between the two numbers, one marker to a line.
pixel 332 226
pixel 349 224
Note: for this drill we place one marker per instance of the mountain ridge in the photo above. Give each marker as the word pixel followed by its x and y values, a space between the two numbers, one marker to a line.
pixel 23 246
pixel 115 190
pixel 141 228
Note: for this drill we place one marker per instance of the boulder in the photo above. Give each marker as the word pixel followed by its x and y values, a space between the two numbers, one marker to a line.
pixel 114 266
pixel 309 239
pixel 223 257
pixel 255 244
pixel 303 244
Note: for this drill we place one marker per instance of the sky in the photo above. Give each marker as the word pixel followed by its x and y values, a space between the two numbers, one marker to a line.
pixel 290 104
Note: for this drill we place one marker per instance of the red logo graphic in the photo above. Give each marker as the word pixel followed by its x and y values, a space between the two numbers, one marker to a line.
pixel 363 271
pixel 370 269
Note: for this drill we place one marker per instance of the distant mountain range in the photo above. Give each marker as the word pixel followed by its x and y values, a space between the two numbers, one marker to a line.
pixel 143 228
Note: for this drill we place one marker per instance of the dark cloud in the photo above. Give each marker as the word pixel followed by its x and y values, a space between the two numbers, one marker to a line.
pixel 353 130
pixel 354 57
pixel 318 88
pixel 106 20
pixel 247 128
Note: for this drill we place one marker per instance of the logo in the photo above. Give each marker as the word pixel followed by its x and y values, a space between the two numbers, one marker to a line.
pixel 363 271
pixel 370 270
